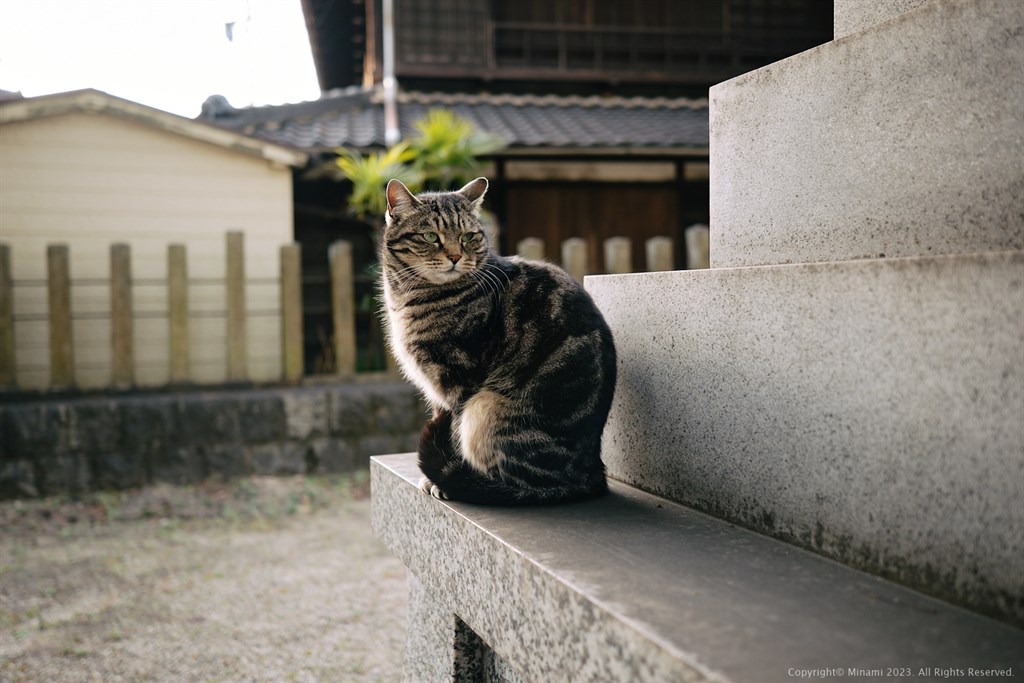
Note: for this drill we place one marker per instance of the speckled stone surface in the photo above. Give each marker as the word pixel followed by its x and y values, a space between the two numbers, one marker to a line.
pixel 850 16
pixel 868 410
pixel 439 646
pixel 902 140
pixel 635 588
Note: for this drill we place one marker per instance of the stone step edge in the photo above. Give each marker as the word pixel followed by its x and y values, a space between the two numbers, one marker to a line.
pixel 635 581
pixel 841 406
pixel 846 21
pixel 800 172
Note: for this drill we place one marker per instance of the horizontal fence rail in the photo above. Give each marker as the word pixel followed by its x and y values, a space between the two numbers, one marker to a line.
pixel 177 309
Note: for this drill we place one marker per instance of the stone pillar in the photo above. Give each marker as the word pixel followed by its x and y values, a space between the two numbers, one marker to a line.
pixel 659 254
pixel 698 247
pixel 574 257
pixel 531 248
pixel 618 255
pixel 439 646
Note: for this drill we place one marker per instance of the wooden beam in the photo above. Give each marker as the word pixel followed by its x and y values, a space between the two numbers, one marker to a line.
pixel 122 358
pixel 62 362
pixel 177 312
pixel 7 360
pixel 291 313
pixel 238 362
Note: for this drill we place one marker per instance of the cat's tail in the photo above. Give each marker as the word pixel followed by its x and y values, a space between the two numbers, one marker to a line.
pixel 457 480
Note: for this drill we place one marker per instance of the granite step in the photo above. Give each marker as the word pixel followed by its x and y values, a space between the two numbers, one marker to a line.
pixel 867 410
pixel 632 587
pixel 851 16
pixel 900 140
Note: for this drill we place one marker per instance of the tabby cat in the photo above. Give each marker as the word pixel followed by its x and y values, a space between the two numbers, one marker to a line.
pixel 512 355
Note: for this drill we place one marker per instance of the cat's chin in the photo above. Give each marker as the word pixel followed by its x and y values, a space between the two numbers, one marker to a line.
pixel 443 277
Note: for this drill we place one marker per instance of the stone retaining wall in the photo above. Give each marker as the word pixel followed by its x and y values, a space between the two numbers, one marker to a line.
pixel 78 444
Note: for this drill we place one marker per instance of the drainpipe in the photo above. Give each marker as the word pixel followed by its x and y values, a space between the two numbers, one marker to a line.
pixel 392 134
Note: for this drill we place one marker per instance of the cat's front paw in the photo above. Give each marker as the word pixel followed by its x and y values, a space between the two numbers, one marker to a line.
pixel 430 487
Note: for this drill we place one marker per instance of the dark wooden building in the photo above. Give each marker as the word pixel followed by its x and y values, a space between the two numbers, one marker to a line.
pixel 609 164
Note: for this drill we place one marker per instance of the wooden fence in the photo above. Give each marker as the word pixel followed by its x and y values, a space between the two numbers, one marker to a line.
pixel 123 319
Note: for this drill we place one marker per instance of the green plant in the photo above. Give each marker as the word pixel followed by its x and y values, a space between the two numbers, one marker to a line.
pixel 445 153
pixel 370 174
pixel 448 147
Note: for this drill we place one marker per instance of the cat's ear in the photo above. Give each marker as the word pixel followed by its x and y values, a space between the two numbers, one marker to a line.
pixel 400 199
pixel 474 191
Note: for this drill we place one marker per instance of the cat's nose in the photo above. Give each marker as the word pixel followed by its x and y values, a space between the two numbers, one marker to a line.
pixel 454 258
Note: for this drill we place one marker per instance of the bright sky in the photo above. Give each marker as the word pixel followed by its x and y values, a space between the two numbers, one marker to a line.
pixel 169 54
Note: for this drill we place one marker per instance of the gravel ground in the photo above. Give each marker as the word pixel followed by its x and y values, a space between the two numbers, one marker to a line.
pixel 261 579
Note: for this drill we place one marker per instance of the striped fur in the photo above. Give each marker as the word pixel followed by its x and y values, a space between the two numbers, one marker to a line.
pixel 513 356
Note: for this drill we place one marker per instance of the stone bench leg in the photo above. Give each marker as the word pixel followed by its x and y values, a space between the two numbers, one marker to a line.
pixel 439 646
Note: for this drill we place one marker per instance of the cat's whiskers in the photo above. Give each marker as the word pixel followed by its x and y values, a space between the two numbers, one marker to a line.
pixel 405 278
pixel 494 270
pixel 483 283
pixel 494 284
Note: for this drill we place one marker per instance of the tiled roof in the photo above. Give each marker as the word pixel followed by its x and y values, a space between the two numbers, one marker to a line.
pixel 18 109
pixel 355 118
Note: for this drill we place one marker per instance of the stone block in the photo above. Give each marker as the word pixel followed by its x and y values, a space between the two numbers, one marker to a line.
pixel 149 429
pixel 95 426
pixel 395 408
pixel 207 418
pixel 379 444
pixel 36 429
pixel 851 16
pixel 351 411
pixel 844 406
pixel 261 417
pixel 63 472
pixel 631 587
pixel 5 446
pixel 227 460
pixel 17 479
pixel 119 470
pixel 306 413
pixel 333 455
pixel 408 442
pixel 902 140
pixel 279 458
pixel 179 465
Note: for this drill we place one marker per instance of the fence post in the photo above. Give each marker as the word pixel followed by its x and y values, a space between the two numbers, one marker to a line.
pixel 698 246
pixel 177 312
pixel 574 257
pixel 618 255
pixel 343 307
pixel 659 254
pixel 62 363
pixel 238 370
pixel 122 359
pixel 291 312
pixel 531 248
pixel 7 374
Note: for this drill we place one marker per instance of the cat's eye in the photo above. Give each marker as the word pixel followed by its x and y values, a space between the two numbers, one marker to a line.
pixel 469 237
pixel 429 237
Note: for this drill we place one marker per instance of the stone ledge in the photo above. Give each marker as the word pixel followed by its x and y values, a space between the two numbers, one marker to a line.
pixel 866 410
pixel 72 444
pixel 633 587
